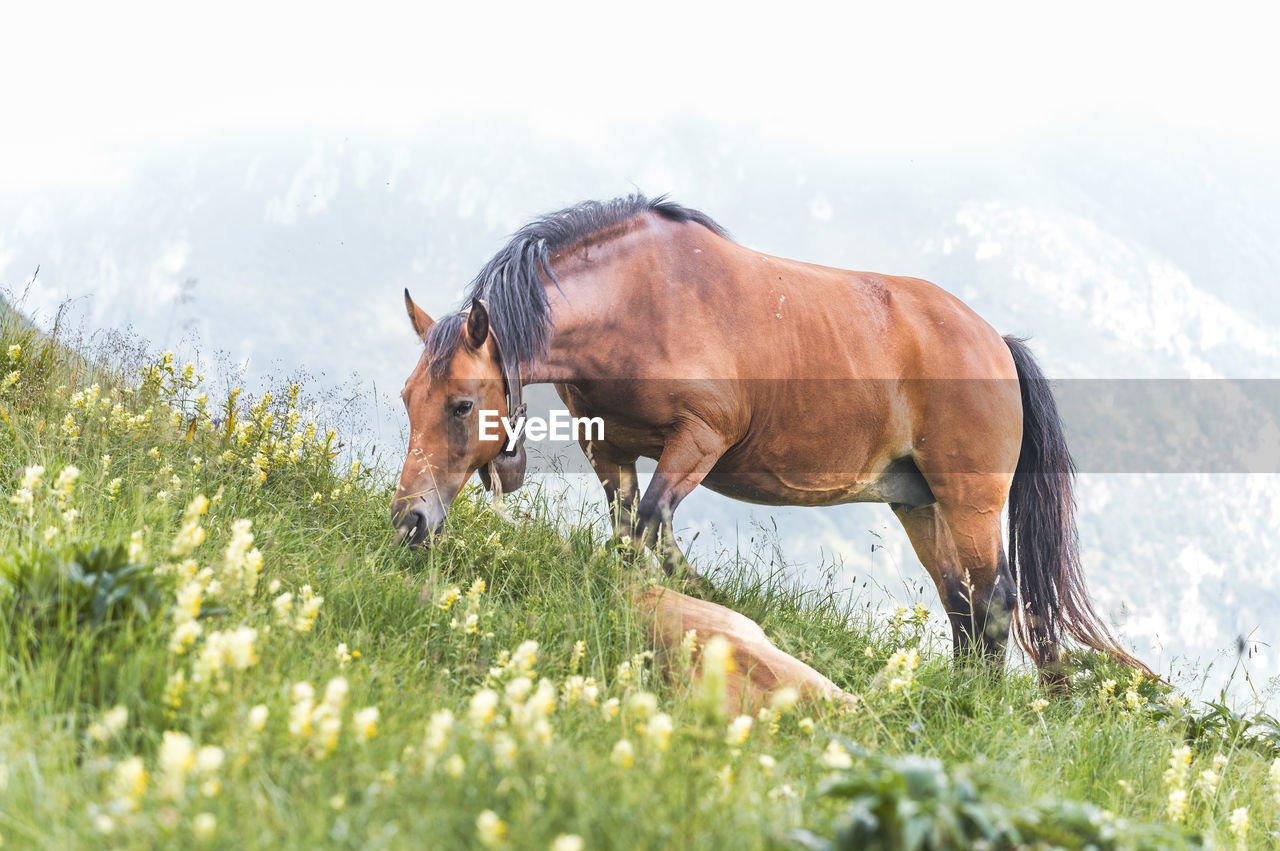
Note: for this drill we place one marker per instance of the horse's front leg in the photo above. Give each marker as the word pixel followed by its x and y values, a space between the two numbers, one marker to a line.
pixel 616 471
pixel 688 456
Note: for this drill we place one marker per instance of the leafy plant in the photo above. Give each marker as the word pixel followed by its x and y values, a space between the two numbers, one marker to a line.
pixel 87 588
pixel 912 803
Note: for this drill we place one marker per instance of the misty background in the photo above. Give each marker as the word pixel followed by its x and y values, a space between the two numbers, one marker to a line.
pixel 279 223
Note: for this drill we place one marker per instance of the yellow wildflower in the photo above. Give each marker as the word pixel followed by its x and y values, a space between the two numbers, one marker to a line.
pixel 567 842
pixel 642 704
pixel 184 635
pixel 174 688
pixel 1239 824
pixel 304 698
pixel 24 499
pixel 899 671
pixel 135 546
pixel 1177 807
pixel 365 722
pixel 231 649
pixel 308 609
pixel 209 759
pixel 176 758
pixel 282 606
pixel 835 756
pixel 689 646
pixel 717 665
pixel 658 731
pixel 484 703
pixel 258 718
pixel 192 534
pixel 242 563
pixel 784 700
pixel 738 731
pixel 129 782
pixel 438 729
pixel 623 755
pixel 204 825
pixel 31 477
pixel 65 484
pixel 491 831
pixel 1175 779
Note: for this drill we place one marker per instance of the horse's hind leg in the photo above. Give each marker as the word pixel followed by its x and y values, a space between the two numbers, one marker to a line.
pixel 964 554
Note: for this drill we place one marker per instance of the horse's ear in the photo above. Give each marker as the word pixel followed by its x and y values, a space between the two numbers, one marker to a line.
pixel 421 321
pixel 477 324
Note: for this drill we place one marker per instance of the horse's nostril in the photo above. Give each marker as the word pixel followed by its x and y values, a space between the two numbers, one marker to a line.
pixel 413 527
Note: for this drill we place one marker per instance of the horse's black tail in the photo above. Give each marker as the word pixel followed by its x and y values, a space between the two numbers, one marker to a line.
pixel 1044 553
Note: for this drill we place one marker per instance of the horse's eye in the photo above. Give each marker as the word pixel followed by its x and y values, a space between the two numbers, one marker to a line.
pixel 462 409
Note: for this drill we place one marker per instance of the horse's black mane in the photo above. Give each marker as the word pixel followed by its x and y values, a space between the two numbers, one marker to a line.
pixel 510 285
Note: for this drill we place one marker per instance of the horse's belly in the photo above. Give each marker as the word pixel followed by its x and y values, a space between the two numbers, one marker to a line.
pixel 764 491
pixel 899 481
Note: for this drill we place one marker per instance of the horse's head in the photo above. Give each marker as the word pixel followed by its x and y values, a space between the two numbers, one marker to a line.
pixel 458 376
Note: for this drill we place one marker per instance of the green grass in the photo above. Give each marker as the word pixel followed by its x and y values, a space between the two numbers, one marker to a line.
pixel 85 630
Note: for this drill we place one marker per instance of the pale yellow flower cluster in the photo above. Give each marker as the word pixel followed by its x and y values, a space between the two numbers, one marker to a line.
pixel 128 785
pixel 1175 780
pixel 915 616
pixel 320 725
pixel 233 649
pixel 174 762
pixel 717 665
pixel 1238 823
pixel 111 723
pixel 308 609
pixel 1207 780
pixel 899 672
pixel 242 563
pixel 491 831
pixel 578 688
pixel 191 535
pixel 835 756
pixel 469 623
pixel 24 498
pixel 739 729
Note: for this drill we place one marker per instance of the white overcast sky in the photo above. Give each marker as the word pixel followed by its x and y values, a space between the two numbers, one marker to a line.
pixel 80 83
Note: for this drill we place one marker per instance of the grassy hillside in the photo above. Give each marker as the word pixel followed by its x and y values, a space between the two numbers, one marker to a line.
pixel 207 638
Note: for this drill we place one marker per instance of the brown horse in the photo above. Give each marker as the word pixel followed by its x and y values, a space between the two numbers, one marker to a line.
pixel 767 380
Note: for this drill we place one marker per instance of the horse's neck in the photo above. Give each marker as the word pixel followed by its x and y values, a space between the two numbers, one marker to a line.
pixel 594 284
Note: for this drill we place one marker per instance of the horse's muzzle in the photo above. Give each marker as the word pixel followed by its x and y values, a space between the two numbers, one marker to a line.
pixel 415 526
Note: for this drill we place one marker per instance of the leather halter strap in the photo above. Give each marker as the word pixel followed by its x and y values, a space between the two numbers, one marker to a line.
pixel 516 407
